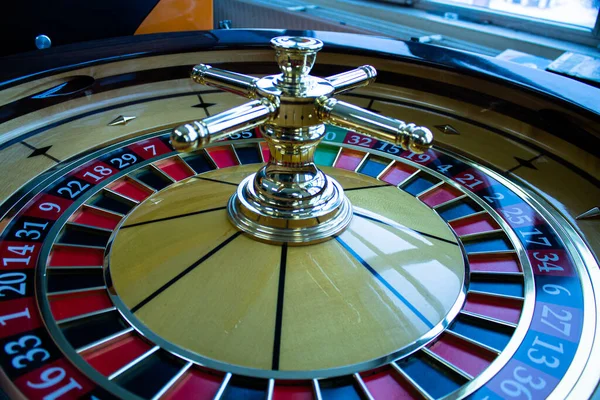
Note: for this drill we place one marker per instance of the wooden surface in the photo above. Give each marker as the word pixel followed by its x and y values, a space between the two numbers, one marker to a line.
pixel 487 133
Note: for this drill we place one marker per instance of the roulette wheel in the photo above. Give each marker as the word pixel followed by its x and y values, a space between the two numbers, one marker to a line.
pixel 309 242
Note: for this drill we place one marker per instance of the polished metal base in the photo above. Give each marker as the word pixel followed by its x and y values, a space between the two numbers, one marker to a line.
pixel 290 200
pixel 316 219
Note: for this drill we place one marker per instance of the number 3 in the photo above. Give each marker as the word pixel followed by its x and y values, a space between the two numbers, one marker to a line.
pixel 22 343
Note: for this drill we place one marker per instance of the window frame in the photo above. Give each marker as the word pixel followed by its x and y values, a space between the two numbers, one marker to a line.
pixel 570 33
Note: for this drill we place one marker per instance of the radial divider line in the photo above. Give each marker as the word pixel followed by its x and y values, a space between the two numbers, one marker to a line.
pixel 175 217
pixel 385 170
pixel 408 179
pixel 215 180
pixel 89 227
pixel 260 151
pixel 279 309
pixel 362 162
pixel 185 164
pixel 359 212
pixel 317 389
pixel 498 274
pixel 429 189
pixel 366 187
pixel 489 320
pixel 133 363
pixel 411 381
pixel 446 364
pixel 121 196
pixel 363 388
pixel 497 295
pixel 482 235
pixel 172 381
pixel 235 154
pixel 82 316
pixel 73 267
pixel 163 173
pixel 385 283
pixel 184 272
pixel 223 386
pixel 79 246
pixel 337 157
pixel 478 213
pixel 104 210
pixel 73 291
pixel 270 389
pixel 474 342
pixel 142 184
pixel 454 200
pixel 104 340
pixel 493 253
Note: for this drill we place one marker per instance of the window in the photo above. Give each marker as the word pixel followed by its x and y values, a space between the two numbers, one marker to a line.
pixel 571 20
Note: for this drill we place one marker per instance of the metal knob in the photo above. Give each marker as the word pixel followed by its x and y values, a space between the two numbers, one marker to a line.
pixel 409 136
pixel 43 42
pixel 295 56
pixel 295 93
pixel 290 199
pixel 197 134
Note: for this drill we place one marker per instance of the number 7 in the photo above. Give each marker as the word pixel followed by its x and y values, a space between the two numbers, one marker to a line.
pixel 151 147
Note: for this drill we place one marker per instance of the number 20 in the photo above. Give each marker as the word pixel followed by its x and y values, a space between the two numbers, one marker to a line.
pixel 17 279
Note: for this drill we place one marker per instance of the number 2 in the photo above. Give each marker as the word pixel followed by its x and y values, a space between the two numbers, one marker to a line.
pixel 124 161
pixel 71 186
pixel 361 141
pixel 562 320
pixel 516 216
pixel 468 177
pixel 13 278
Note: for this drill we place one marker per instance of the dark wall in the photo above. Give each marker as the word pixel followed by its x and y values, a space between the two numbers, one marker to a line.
pixel 68 21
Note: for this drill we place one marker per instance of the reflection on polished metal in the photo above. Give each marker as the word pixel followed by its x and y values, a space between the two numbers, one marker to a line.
pixel 43 42
pixel 290 199
pixel 592 213
pixel 121 120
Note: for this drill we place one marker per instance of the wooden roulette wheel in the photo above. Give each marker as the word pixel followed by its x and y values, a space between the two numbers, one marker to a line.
pixel 465 270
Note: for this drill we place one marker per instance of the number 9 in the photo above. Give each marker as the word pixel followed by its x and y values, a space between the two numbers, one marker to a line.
pixel 47 378
pixel 49 207
pixel 129 157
